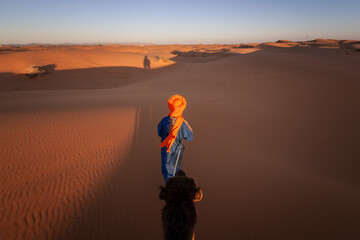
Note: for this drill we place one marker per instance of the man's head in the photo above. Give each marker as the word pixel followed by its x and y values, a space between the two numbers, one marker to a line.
pixel 177 105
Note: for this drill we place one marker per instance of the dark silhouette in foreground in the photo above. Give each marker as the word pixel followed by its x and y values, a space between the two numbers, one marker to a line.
pixel 146 62
pixel 179 214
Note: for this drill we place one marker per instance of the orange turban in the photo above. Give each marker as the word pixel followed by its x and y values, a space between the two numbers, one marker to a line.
pixel 177 105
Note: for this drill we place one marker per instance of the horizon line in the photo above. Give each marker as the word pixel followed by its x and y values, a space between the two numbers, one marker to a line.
pixel 148 43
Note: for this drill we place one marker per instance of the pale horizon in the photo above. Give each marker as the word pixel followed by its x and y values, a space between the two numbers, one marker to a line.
pixel 188 22
pixel 170 43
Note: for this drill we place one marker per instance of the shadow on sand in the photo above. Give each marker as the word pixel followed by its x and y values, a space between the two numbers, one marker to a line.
pixel 84 79
pixel 130 188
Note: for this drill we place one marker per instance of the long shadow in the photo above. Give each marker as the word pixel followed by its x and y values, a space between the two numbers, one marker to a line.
pixel 8 51
pixel 81 79
pixel 126 205
pixel 5 80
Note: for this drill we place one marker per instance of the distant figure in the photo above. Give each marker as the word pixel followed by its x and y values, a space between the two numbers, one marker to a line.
pixel 173 129
pixel 146 63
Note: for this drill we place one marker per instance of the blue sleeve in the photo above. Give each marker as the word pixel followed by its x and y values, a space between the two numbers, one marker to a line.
pixel 186 131
pixel 160 128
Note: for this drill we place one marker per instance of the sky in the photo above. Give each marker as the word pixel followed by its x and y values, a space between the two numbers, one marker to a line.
pixel 171 22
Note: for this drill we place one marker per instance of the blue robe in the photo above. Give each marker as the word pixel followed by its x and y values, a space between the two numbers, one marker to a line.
pixel 171 162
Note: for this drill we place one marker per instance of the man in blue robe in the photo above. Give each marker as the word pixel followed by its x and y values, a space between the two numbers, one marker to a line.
pixel 173 130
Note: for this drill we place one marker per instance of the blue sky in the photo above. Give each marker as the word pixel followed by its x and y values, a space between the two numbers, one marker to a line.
pixel 183 22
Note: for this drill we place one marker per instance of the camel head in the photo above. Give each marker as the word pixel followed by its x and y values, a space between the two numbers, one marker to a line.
pixel 180 188
pixel 179 214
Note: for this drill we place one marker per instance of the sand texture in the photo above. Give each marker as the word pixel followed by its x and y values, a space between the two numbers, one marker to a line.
pixel 276 148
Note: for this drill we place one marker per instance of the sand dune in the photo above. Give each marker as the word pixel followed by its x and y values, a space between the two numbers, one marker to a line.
pixel 57 162
pixel 275 150
pixel 78 57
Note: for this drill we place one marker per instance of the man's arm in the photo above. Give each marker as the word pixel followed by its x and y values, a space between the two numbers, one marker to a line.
pixel 160 128
pixel 187 132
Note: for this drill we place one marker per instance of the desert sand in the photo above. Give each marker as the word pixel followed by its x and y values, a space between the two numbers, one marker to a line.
pixel 276 148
